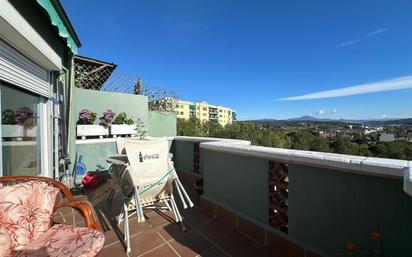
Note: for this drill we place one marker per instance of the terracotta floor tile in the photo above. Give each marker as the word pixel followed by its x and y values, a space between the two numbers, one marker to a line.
pixel 216 231
pixel 135 227
pixel 171 231
pixel 267 253
pixel 110 237
pixel 64 219
pixel 148 237
pixel 191 244
pixel 214 252
pixel 195 217
pixel 115 250
pixel 162 251
pixel 145 241
pixel 158 219
pixel 239 246
pixel 64 211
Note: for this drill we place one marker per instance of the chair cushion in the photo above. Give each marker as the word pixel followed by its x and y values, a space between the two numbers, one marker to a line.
pixel 5 242
pixel 65 240
pixel 25 210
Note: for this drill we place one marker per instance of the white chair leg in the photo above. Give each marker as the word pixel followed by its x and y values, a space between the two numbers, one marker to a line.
pixel 139 209
pixel 180 194
pixel 185 193
pixel 168 205
pixel 120 218
pixel 179 217
pixel 174 211
pixel 126 227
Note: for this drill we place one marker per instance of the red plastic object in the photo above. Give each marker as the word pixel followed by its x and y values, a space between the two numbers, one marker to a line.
pixel 92 179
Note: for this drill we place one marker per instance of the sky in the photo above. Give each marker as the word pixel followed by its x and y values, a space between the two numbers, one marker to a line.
pixel 265 59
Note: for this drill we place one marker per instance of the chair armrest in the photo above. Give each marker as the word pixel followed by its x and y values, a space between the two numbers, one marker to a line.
pixel 86 210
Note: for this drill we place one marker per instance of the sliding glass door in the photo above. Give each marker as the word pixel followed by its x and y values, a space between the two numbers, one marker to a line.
pixel 20 131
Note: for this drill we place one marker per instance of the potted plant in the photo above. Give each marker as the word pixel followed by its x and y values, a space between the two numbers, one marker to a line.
pixel 18 124
pixel 141 130
pixel 86 126
pixel 122 125
pixel 355 250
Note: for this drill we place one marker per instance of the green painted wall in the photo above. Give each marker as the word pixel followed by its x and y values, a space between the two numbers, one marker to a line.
pixel 136 106
pixel 237 182
pixel 183 155
pixel 162 124
pixel 94 155
pixel 328 208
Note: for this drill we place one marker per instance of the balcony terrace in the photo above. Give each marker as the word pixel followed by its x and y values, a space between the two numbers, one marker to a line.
pixel 261 201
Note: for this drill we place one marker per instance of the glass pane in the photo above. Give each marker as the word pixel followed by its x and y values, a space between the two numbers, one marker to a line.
pixel 19 131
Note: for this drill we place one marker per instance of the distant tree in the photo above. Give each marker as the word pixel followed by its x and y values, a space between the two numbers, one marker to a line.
pixel 320 144
pixel 363 150
pixel 297 136
pixel 344 145
pixel 301 140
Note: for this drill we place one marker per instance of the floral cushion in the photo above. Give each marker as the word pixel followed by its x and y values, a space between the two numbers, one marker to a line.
pixel 5 242
pixel 63 240
pixel 25 211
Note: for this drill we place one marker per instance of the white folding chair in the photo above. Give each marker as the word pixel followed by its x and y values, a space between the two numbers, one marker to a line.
pixel 148 181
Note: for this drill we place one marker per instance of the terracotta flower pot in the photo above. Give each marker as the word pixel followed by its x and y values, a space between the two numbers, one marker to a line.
pixel 198 185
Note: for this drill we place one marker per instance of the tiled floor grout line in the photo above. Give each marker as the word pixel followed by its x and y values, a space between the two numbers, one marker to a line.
pixel 151 250
pixel 167 242
pixel 119 240
pixel 205 222
pixel 199 255
pixel 250 238
pixel 213 242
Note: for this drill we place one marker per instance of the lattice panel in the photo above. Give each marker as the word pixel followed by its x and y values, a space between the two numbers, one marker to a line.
pixel 196 158
pixel 278 195
pixel 101 76
pixel 91 76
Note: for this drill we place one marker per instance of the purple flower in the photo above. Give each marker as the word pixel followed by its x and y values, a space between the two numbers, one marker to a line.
pixel 107 118
pixel 86 116
pixel 23 114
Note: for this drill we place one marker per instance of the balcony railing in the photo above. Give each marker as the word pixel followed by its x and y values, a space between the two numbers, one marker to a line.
pixel 310 201
pixel 301 203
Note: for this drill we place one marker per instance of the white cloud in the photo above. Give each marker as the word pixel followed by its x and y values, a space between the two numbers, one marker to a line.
pixel 321 112
pixel 383 116
pixel 359 39
pixel 381 86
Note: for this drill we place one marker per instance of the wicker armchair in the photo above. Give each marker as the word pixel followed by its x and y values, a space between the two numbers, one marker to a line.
pixel 27 207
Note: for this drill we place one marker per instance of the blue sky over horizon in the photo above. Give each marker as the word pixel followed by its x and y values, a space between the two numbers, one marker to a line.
pixel 255 56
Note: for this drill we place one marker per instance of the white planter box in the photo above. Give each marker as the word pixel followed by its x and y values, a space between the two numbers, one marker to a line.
pixel 18 131
pixel 91 130
pixel 122 129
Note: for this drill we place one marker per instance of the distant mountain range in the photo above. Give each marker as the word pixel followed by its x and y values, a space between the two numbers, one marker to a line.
pixel 317 120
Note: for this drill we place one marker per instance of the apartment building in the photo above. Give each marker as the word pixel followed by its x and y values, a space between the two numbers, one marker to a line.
pixel 205 112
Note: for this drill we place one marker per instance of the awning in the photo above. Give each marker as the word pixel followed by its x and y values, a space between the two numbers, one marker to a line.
pixel 58 22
